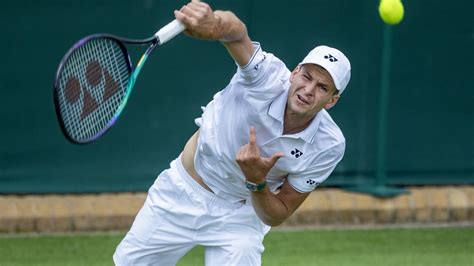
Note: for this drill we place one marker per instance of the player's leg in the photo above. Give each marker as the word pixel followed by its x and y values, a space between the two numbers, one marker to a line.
pixel 236 240
pixel 239 252
pixel 157 236
pixel 151 241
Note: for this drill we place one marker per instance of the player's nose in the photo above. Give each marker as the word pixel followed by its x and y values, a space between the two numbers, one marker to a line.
pixel 308 90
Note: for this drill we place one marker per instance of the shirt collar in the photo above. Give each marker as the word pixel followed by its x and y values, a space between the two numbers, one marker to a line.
pixel 277 111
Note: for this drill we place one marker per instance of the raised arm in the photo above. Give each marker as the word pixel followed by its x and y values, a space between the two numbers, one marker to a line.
pixel 203 23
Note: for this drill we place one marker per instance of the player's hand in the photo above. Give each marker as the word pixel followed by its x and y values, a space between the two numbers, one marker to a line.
pixel 255 167
pixel 200 20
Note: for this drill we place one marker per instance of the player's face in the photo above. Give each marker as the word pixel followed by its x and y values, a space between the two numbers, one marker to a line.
pixel 312 89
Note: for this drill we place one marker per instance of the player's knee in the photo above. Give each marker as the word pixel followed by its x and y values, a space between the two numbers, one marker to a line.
pixel 247 247
pixel 244 252
pixel 119 256
pixel 123 254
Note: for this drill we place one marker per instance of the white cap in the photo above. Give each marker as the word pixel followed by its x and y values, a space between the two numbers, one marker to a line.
pixel 334 61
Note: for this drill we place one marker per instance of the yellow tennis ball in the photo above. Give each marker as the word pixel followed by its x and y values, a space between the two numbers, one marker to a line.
pixel 391 11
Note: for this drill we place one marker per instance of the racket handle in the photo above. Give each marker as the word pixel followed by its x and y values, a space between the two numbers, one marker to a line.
pixel 169 31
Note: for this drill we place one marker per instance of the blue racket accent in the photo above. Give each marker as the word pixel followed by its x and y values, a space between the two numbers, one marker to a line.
pixel 131 83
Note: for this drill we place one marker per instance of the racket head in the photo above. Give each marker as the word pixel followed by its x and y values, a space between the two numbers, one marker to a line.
pixel 91 87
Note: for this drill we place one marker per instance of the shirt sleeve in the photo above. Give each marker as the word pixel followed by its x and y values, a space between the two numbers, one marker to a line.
pixel 251 71
pixel 319 171
pixel 263 77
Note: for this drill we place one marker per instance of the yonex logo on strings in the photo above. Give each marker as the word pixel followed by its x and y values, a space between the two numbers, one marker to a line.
pixel 330 58
pixel 297 153
pixel 94 76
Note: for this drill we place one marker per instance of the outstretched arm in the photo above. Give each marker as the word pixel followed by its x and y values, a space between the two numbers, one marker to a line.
pixel 203 23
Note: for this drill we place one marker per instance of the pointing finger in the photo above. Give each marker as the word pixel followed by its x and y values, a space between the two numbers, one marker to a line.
pixel 253 136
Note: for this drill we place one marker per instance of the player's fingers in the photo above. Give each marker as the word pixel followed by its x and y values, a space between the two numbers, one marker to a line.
pixel 201 12
pixel 201 4
pixel 179 15
pixel 253 136
pixel 274 158
pixel 188 21
pixel 238 156
pixel 190 11
pixel 242 154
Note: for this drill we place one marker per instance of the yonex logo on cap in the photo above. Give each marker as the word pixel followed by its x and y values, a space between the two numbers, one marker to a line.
pixel 330 57
pixel 339 68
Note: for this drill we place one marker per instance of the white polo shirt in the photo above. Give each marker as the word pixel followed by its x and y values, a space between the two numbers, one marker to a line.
pixel 256 96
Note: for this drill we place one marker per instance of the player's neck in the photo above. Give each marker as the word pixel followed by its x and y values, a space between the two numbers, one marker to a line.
pixel 293 123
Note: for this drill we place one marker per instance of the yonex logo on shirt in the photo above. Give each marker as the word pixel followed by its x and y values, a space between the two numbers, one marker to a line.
pixel 257 65
pixel 330 57
pixel 297 153
pixel 312 183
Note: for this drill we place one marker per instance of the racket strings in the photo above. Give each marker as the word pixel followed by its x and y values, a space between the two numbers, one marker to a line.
pixel 92 87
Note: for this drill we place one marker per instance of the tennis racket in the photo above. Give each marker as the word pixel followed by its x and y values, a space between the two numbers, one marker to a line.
pixel 94 81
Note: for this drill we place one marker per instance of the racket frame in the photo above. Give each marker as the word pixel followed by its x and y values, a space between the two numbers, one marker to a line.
pixel 133 76
pixel 162 36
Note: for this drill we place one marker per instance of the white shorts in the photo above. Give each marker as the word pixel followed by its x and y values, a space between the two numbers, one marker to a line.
pixel 179 214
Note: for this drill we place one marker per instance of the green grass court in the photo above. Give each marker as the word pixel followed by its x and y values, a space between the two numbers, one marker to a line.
pixel 398 247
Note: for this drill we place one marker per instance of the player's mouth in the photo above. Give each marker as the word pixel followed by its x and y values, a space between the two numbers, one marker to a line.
pixel 301 99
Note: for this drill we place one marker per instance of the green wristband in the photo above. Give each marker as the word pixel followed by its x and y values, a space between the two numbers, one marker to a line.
pixel 255 187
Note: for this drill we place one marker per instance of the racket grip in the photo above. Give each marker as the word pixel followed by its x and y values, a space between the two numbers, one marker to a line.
pixel 169 31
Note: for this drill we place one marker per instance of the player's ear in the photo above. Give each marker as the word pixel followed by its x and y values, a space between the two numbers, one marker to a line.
pixel 332 102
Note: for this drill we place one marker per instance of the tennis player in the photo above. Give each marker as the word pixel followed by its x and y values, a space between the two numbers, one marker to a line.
pixel 264 143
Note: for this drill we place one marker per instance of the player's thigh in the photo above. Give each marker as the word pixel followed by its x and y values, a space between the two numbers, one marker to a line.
pixel 128 253
pixel 242 251
pixel 152 240
pixel 154 237
pixel 239 241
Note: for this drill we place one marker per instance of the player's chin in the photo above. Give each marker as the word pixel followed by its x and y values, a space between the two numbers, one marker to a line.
pixel 299 109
